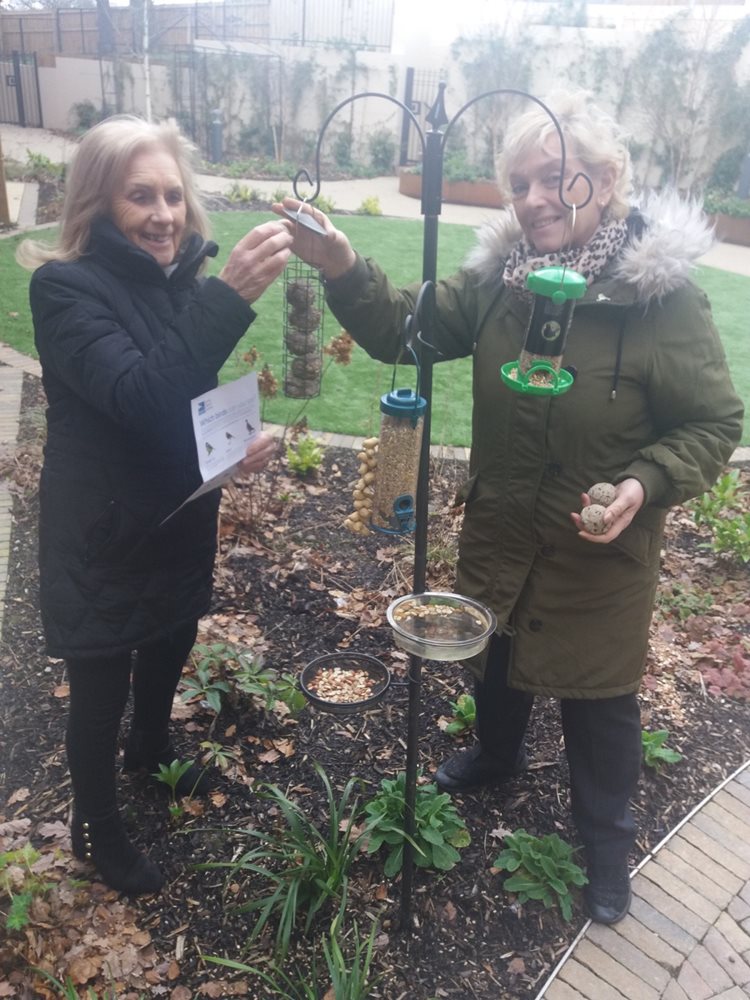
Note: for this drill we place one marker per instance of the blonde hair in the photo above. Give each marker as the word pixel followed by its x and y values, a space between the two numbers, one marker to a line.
pixel 97 172
pixel 591 135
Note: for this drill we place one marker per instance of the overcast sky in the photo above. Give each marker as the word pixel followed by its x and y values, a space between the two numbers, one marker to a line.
pixel 440 21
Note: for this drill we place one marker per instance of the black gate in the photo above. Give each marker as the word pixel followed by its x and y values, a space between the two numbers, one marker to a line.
pixel 20 102
pixel 420 92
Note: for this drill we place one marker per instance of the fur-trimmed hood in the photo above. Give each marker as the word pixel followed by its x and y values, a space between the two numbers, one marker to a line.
pixel 667 236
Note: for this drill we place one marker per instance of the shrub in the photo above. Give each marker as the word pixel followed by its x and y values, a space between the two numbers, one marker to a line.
pixel 721 202
pixel 370 206
pixel 382 151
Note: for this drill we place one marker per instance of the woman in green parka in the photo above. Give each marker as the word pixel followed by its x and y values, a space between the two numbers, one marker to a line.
pixel 652 410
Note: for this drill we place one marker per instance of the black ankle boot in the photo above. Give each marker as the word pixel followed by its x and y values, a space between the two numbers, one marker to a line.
pixel 473 768
pixel 607 895
pixel 142 754
pixel 105 844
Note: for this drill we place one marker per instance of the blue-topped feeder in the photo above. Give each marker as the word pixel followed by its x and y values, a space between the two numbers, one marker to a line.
pixel 394 496
pixel 539 370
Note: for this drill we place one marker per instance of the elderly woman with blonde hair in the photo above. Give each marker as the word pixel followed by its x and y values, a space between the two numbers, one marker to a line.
pixel 652 410
pixel 128 332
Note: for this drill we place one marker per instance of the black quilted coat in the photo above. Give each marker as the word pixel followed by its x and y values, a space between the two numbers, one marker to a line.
pixel 124 348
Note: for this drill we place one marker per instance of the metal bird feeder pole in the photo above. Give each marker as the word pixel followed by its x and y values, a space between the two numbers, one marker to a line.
pixel 418 337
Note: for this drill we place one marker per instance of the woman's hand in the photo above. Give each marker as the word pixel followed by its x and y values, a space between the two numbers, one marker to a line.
pixel 258 454
pixel 629 497
pixel 258 260
pixel 332 253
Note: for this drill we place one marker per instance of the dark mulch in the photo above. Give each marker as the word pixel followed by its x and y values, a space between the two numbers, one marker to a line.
pixel 282 587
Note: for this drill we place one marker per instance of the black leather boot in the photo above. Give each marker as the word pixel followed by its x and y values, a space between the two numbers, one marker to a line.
pixel 607 895
pixel 142 753
pixel 105 844
pixel 473 768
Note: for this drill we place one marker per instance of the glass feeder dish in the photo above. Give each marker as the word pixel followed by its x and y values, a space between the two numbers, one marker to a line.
pixel 441 626
pixel 344 683
pixel 539 371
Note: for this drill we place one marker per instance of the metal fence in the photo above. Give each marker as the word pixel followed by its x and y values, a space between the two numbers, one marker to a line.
pixel 367 24
pixel 20 102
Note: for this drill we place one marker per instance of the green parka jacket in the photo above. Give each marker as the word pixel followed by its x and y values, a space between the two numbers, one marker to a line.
pixel 652 399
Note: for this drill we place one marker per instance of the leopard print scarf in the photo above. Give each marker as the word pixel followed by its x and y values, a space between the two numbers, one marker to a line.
pixel 589 260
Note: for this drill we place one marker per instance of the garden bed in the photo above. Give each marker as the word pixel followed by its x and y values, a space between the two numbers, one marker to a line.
pixel 292 584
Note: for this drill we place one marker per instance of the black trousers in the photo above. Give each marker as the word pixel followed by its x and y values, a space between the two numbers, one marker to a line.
pixel 99 689
pixel 602 744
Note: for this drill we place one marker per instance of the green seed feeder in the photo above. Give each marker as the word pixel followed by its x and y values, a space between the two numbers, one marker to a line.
pixel 539 371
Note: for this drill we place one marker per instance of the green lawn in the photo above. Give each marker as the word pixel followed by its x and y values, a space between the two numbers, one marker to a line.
pixel 350 399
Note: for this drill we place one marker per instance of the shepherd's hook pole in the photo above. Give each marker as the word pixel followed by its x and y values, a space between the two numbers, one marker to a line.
pixel 420 334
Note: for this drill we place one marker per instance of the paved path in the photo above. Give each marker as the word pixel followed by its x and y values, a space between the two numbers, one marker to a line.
pixel 687 936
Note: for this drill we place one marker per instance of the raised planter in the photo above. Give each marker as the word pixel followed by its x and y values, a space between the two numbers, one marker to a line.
pixel 732 228
pixel 483 194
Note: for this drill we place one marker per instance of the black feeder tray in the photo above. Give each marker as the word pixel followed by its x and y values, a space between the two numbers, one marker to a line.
pixel 324 681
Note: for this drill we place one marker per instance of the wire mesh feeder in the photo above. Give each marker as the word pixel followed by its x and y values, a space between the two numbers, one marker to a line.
pixel 303 331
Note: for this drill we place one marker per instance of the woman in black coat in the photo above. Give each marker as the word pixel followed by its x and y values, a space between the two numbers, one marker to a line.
pixel 127 334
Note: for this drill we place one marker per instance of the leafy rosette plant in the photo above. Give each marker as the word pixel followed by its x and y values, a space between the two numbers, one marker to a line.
pixel 655 751
pixel 439 830
pixel 543 869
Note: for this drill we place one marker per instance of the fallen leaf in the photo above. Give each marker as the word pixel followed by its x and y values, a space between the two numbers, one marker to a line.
pixel 516 966
pixel 20 795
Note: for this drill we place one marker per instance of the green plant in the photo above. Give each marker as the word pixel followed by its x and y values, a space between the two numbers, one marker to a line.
pixel 304 456
pixel 241 194
pixel 465 716
pixel 68 990
pixel 303 868
pixel 723 496
pixel 655 751
pixel 342 147
pixel 202 685
pixel 40 168
pixel 170 774
pixel 543 869
pixel 350 977
pixel 325 204
pixel 382 147
pixel 86 115
pixel 682 602
pixel 254 679
pixel 438 829
pixel 731 536
pixel 724 203
pixel 720 511
pixel 279 194
pixel 370 206
pixel 20 884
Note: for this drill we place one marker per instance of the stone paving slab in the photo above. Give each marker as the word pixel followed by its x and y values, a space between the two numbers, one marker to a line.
pixel 687 936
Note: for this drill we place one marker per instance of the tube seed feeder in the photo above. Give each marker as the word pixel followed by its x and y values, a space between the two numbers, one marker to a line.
pixel 539 371
pixel 401 425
